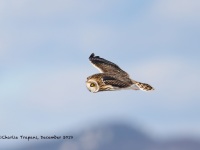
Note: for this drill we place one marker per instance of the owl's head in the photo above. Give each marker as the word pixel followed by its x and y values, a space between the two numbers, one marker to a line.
pixel 92 85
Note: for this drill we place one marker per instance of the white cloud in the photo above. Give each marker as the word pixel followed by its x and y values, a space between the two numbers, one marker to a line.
pixel 172 77
pixel 34 8
pixel 56 89
pixel 51 8
pixel 177 9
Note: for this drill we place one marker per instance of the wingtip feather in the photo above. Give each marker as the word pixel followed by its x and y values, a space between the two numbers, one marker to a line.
pixel 92 55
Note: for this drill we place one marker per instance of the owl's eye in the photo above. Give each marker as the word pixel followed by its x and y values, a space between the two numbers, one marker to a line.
pixel 92 85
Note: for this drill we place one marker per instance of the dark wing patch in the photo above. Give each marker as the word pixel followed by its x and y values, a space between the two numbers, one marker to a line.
pixel 108 80
pixel 105 65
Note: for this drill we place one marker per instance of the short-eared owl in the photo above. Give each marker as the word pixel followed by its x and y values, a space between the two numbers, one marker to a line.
pixel 111 77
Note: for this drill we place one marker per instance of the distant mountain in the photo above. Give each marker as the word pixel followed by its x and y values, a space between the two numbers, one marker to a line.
pixel 114 137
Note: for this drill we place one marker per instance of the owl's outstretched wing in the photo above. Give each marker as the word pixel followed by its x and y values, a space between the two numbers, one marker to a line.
pixel 105 66
pixel 115 82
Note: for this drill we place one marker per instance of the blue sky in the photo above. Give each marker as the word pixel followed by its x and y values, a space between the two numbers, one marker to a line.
pixel 44 50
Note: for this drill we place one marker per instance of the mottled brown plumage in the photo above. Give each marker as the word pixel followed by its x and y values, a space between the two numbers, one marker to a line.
pixel 111 78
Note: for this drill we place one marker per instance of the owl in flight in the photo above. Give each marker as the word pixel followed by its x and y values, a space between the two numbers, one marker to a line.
pixel 111 77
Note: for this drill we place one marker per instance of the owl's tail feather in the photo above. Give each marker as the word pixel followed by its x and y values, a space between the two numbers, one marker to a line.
pixel 144 86
pixel 141 86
